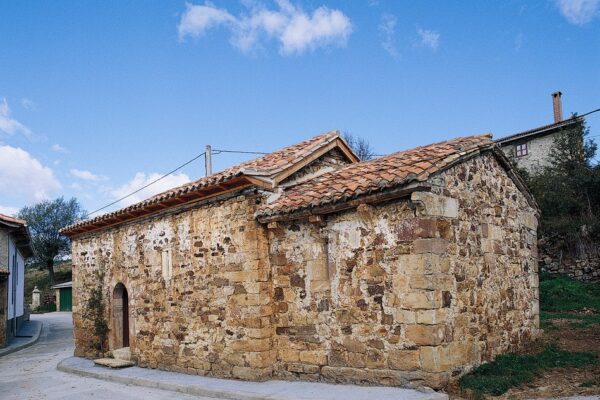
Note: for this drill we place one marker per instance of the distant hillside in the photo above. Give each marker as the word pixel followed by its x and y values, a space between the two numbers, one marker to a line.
pixel 35 277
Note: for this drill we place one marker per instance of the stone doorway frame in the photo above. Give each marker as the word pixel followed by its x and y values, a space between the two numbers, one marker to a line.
pixel 120 314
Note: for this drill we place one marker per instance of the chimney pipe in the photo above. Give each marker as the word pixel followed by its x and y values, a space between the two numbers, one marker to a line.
pixel 557 106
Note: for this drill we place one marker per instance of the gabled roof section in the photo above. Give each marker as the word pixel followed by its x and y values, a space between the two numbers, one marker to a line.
pixel 540 131
pixel 394 171
pixel 19 230
pixel 266 172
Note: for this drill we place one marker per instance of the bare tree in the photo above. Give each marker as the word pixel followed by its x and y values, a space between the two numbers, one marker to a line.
pixel 361 147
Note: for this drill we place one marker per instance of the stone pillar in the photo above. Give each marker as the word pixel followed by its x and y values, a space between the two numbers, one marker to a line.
pixel 35 298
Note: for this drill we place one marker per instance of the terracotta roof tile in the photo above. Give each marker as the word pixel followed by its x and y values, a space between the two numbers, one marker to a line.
pixel 12 220
pixel 383 173
pixel 265 166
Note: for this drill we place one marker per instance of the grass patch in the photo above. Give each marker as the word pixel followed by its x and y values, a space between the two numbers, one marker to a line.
pixel 511 370
pixel 560 293
pixel 581 320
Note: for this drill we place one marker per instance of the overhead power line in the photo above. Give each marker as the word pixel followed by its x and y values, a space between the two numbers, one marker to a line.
pixel 588 113
pixel 146 185
pixel 219 151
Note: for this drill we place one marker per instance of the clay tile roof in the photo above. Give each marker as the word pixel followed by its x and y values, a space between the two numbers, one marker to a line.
pixel 12 220
pixel 379 174
pixel 264 167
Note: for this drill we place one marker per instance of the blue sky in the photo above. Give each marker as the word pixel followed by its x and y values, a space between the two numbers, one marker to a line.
pixel 97 98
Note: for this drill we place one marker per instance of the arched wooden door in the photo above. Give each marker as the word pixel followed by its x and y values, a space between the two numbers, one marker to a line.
pixel 121 316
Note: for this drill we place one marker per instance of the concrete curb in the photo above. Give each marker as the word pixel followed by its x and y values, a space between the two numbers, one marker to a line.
pixel 239 390
pixel 35 330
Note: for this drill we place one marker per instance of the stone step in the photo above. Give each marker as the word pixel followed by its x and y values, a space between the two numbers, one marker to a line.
pixel 113 363
pixel 122 354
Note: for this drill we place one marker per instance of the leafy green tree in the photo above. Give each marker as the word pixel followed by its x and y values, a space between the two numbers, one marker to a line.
pixel 568 191
pixel 45 219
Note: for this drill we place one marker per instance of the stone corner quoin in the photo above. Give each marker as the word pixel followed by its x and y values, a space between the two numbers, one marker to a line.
pixel 410 291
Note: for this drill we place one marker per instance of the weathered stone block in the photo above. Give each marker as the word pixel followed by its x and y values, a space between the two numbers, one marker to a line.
pixel 316 357
pixel 425 335
pixel 434 246
pixel 430 204
pixel 422 299
pixel 406 360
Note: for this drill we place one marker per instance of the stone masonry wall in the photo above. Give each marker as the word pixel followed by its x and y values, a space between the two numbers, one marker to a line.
pixel 3 308
pixel 411 292
pixel 211 315
pixel 4 249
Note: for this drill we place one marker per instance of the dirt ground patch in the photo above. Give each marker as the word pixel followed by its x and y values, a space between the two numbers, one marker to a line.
pixel 558 382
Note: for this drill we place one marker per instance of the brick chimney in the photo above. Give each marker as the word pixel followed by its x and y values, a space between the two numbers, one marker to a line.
pixel 557 106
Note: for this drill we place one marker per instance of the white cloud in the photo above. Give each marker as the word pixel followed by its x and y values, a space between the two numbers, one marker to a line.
pixel 296 30
pixel 23 175
pixel 87 175
pixel 10 125
pixel 140 180
pixel 27 104
pixel 10 211
pixel 58 148
pixel 429 38
pixel 197 19
pixel 387 31
pixel 578 12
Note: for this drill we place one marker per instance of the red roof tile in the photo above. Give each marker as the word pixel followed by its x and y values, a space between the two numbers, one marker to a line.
pixel 12 220
pixel 376 175
pixel 265 167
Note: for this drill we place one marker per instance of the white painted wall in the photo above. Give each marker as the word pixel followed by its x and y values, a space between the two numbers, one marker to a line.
pixel 16 279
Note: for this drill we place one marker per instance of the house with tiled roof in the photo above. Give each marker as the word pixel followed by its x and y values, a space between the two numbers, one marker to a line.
pixel 308 264
pixel 15 248
pixel 531 149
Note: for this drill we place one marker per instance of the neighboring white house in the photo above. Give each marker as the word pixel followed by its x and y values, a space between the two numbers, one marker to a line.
pixel 15 247
pixel 531 149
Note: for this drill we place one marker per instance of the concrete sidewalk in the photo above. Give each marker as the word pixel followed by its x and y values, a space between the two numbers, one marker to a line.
pixel 30 328
pixel 240 390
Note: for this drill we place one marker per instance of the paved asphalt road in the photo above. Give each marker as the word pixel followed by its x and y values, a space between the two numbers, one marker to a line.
pixel 31 373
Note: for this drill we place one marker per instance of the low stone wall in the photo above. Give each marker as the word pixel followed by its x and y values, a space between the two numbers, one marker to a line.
pixel 586 270
pixel 555 260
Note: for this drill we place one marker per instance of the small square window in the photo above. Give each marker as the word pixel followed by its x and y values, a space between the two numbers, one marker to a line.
pixel 522 150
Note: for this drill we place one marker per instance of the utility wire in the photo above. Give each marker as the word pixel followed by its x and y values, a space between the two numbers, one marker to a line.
pixel 219 151
pixel 587 113
pixel 148 184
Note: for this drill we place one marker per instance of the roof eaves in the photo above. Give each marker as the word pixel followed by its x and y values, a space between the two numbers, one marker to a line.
pixel 542 130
